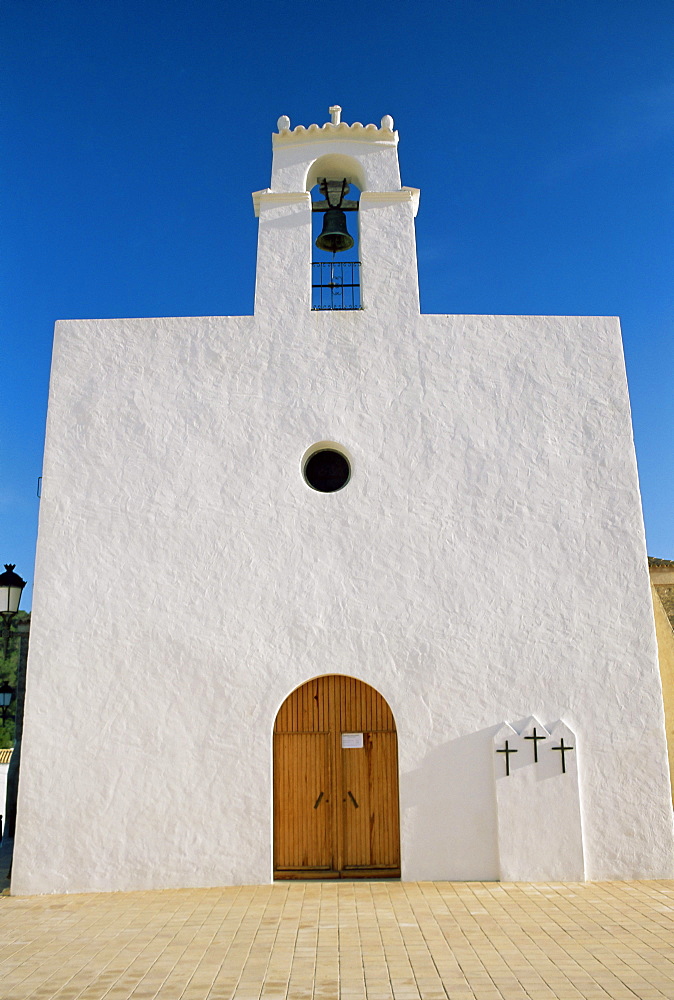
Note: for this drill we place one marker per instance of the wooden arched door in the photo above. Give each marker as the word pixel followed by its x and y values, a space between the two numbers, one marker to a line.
pixel 336 783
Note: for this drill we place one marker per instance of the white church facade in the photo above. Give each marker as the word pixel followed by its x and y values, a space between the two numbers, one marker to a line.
pixel 351 592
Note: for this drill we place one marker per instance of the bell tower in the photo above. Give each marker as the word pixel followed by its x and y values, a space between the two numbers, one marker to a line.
pixel 333 157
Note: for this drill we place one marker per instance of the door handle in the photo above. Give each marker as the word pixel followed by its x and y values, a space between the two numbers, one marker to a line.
pixel 316 803
pixel 353 800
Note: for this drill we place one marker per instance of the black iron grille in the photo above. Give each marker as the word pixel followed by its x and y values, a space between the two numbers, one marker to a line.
pixel 336 285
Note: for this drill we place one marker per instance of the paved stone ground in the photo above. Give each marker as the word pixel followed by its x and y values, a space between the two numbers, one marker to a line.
pixel 349 940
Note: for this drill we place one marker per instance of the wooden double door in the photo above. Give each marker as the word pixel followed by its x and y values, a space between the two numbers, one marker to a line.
pixel 336 783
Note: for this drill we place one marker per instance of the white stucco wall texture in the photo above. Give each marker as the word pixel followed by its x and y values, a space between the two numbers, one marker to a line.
pixel 485 562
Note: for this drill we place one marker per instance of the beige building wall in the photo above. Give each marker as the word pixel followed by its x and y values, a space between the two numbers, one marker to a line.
pixel 662 587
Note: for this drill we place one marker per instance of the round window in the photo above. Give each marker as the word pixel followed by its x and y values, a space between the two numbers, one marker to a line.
pixel 327 471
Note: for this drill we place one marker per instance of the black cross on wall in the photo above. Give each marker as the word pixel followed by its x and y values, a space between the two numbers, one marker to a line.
pixel 563 750
pixel 507 751
pixel 535 738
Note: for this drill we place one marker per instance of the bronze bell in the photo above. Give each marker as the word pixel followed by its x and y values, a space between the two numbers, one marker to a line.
pixel 335 236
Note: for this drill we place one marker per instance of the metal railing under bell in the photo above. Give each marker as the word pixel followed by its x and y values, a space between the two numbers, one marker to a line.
pixel 335 285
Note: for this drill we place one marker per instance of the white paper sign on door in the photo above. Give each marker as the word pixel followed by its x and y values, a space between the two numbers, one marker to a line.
pixel 352 741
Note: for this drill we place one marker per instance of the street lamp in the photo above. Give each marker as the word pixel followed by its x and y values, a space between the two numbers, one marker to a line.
pixel 11 586
pixel 6 692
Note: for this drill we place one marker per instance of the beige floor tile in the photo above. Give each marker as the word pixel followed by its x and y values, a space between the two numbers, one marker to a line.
pixel 341 941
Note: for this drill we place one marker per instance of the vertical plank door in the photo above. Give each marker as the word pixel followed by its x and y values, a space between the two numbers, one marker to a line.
pixel 302 802
pixel 335 808
pixel 370 786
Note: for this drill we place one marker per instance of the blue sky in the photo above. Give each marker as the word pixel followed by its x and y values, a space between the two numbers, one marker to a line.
pixel 540 133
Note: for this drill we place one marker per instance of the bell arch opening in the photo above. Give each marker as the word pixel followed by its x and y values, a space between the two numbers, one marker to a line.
pixel 336 166
pixel 336 804
pixel 335 238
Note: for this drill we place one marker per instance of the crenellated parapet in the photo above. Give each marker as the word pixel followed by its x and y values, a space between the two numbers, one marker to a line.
pixel 367 155
pixel 334 129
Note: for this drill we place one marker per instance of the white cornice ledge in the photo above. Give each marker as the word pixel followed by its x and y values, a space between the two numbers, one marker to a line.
pixel 367 197
pixel 278 198
pixel 388 197
pixel 357 131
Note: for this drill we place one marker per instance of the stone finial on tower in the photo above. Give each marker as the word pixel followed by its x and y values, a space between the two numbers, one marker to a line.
pixel 335 114
pixel 283 124
pixel 387 123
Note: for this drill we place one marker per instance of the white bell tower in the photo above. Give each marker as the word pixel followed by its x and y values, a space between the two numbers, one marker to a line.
pixel 366 156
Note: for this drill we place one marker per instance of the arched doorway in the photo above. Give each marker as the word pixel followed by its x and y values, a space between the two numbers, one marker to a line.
pixel 336 783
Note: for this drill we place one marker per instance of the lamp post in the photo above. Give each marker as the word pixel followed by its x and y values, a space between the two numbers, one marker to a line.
pixel 11 586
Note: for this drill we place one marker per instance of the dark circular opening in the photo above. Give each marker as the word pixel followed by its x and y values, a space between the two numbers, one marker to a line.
pixel 327 471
